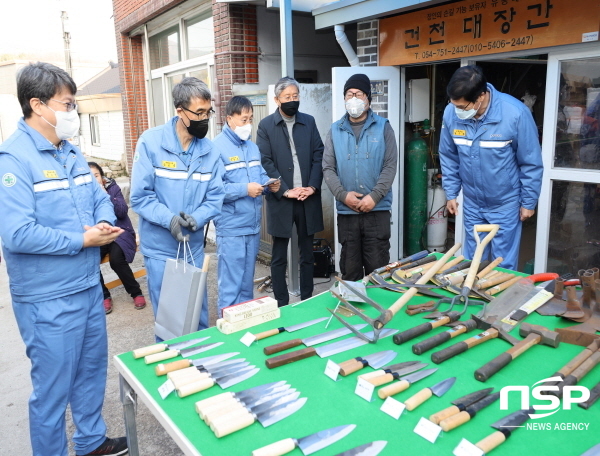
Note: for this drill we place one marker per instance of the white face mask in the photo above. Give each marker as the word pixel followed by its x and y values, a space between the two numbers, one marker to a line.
pixel 244 131
pixel 67 123
pixel 466 115
pixel 355 107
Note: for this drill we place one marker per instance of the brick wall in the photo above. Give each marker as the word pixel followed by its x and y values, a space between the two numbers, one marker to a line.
pixel 367 43
pixel 235 32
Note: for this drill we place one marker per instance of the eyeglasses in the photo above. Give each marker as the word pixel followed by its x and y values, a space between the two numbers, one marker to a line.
pixel 358 94
pixel 203 115
pixel 460 108
pixel 287 98
pixel 70 106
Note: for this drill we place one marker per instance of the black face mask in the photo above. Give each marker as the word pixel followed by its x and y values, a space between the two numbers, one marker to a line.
pixel 290 108
pixel 198 128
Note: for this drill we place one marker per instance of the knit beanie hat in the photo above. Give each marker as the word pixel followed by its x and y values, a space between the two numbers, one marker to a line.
pixel 359 82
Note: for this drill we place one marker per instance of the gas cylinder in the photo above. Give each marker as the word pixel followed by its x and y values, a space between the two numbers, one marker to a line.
pixel 415 195
pixel 437 217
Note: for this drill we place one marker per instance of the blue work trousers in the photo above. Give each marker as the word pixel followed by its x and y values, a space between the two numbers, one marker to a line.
pixel 65 339
pixel 505 243
pixel 155 270
pixel 237 259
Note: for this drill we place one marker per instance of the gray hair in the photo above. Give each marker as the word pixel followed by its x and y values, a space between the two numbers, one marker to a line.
pixel 41 80
pixel 284 83
pixel 187 89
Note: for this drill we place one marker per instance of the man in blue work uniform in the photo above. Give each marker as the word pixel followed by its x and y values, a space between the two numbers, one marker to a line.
pixel 176 185
pixel 489 147
pixel 238 225
pixel 54 218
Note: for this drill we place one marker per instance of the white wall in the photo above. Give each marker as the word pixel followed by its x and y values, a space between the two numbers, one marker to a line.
pixel 111 136
pixel 10 113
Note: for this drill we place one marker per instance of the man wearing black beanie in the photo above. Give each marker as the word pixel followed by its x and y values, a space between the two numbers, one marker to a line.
pixel 359 166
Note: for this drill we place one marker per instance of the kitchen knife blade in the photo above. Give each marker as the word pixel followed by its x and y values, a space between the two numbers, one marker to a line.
pixel 389 373
pixel 150 359
pixel 162 369
pixel 224 381
pixel 456 420
pixel 187 352
pixel 247 394
pixel 375 360
pixel 273 332
pixel 157 348
pixel 368 449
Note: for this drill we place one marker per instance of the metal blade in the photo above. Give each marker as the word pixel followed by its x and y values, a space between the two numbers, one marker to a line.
pixel 514 420
pixel 330 335
pixel 439 389
pixel 412 378
pixel 467 400
pixel 377 360
pixel 212 359
pixel 234 379
pixel 322 439
pixel 399 367
pixel 594 451
pixel 355 312
pixel 232 367
pixel 482 403
pixel 368 449
pixel 280 412
pixel 273 395
pixel 362 296
pixel 288 396
pixel 350 343
pixel 304 325
pixel 186 343
pixel 259 390
pixel 199 349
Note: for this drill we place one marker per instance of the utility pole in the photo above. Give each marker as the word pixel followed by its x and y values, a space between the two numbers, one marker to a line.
pixel 67 40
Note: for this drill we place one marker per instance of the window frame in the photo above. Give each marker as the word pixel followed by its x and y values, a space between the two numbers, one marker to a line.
pixel 95 130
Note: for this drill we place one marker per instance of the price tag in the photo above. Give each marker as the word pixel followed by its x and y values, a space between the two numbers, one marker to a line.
pixel 248 339
pixel 393 407
pixel 590 36
pixel 427 430
pixel 466 448
pixel 332 370
pixel 365 389
pixel 166 388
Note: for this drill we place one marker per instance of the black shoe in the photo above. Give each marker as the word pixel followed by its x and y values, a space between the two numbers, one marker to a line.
pixel 110 447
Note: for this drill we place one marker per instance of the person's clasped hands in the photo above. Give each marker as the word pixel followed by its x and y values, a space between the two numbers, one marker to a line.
pixel 182 220
pixel 100 234
pixel 299 193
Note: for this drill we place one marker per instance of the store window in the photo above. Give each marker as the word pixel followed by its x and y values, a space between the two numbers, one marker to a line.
pixel 95 130
pixel 164 48
pixel 578 121
pixel 200 36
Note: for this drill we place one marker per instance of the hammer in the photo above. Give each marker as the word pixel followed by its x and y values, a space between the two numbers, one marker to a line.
pixel 534 334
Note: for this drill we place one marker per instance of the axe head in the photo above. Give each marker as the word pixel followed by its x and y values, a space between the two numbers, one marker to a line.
pixel 490 322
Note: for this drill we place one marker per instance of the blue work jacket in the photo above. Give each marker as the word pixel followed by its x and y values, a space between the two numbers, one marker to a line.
pixel 45 206
pixel 162 186
pixel 496 160
pixel 359 164
pixel 241 213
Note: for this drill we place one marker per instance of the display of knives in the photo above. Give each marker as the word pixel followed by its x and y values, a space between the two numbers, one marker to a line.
pixel 461 418
pixel 313 340
pixel 185 376
pixel 223 379
pixel 157 348
pixel 375 360
pixel 308 445
pixel 368 449
pixel 506 426
pixel 326 350
pixel 273 332
pixel 390 373
pixel 184 352
pixel 460 404
pixel 163 369
pixel 239 420
pixel 404 382
pixel 439 389
pixel 246 394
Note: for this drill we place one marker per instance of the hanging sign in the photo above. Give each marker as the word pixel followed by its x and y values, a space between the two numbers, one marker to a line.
pixel 475 27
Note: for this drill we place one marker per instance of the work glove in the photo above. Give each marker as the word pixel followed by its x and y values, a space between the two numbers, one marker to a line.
pixel 176 224
pixel 192 225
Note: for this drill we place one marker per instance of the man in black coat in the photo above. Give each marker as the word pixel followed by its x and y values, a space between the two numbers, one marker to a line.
pixel 291 148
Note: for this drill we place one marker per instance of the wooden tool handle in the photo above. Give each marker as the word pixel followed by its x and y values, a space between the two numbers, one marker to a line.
pixel 575 362
pixel 491 441
pixel 491 229
pixel 168 354
pixel 292 357
pixel 145 351
pixel 484 284
pixel 529 341
pixel 182 381
pixel 195 387
pixel 369 375
pixel 269 333
pixel 350 368
pixel 436 418
pixel 211 415
pixel 381 379
pixel 411 333
pixel 449 352
pixel 414 401
pixel 182 372
pixel 163 369
pixel 276 449
pixel 392 389
pixel 451 263
pixel 454 421
pixel 407 296
pixel 495 365
pixel 431 342
pixel 282 346
pixel 586 366
pixel 212 400
pixel 504 285
pixel 208 409
pixel 490 266
pixel 229 426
